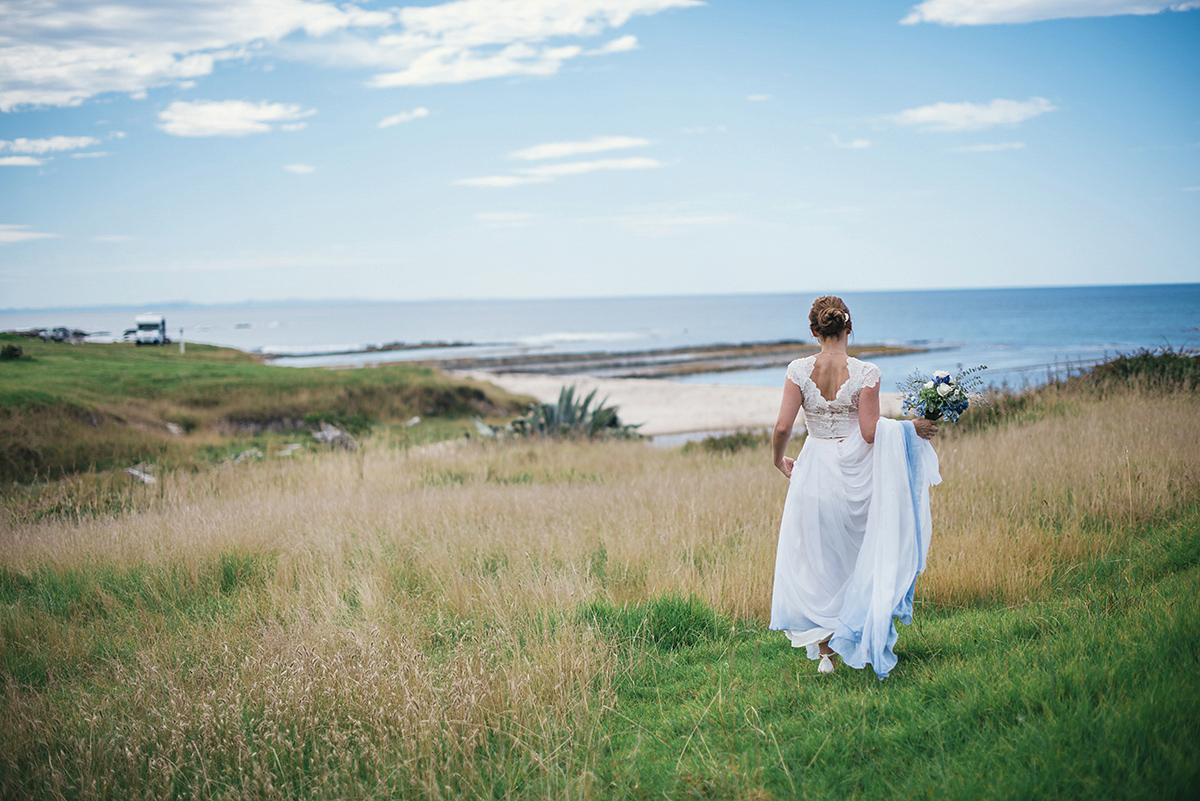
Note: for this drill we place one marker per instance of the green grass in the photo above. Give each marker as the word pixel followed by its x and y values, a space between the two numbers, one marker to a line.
pixel 66 408
pixel 343 666
pixel 666 624
pixel 74 623
pixel 1090 695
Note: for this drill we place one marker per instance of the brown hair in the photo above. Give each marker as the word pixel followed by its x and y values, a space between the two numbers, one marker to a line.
pixel 829 317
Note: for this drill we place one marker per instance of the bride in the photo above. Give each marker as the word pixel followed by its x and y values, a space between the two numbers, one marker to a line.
pixel 856 524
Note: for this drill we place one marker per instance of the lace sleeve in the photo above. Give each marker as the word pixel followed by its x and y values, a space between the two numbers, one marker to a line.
pixel 871 375
pixel 796 372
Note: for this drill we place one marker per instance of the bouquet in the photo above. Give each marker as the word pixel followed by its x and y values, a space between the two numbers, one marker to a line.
pixel 943 396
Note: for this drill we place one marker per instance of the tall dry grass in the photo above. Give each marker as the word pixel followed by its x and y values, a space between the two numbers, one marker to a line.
pixel 417 632
pixel 1020 500
pixel 529 524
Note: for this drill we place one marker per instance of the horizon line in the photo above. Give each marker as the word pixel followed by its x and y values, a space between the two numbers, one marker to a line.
pixel 186 304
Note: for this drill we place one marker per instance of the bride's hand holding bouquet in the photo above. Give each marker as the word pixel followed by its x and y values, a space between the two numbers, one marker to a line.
pixel 943 397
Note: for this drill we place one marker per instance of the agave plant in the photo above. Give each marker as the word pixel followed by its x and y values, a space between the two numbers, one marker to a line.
pixel 569 417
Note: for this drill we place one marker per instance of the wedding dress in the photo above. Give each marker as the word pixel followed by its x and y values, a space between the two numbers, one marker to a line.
pixel 855 527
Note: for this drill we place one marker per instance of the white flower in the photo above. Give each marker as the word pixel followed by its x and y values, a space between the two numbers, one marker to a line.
pixel 928 385
pixel 941 374
pixel 945 389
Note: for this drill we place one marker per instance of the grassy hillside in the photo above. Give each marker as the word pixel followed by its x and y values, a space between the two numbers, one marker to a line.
pixel 65 408
pixel 588 620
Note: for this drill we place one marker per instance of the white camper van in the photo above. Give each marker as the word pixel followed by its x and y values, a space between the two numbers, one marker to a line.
pixel 151 329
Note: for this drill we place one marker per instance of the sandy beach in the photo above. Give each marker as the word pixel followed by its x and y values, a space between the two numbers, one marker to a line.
pixel 670 407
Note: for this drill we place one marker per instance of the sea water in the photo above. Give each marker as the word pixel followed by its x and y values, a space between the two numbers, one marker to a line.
pixel 1022 335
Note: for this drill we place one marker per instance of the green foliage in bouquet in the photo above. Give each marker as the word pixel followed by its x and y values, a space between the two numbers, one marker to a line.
pixel 943 396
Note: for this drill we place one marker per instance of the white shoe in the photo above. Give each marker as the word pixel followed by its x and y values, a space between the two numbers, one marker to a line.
pixel 826 665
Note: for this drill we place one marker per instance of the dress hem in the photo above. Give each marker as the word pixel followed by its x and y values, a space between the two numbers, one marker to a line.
pixel 803 639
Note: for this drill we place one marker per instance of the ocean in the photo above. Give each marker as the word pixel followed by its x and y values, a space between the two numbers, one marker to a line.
pixel 1022 335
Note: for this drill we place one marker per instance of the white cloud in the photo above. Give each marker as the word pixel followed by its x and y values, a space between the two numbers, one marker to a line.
pixel 757 98
pixel 622 44
pixel 992 147
pixel 544 173
pixel 580 167
pixel 226 117
pixel 548 172
pixel 40 147
pixel 475 23
pixel 404 116
pixel 20 233
pixel 597 144
pixel 504 219
pixel 991 12
pixel 21 161
pixel 60 54
pixel 92 154
pixel 300 169
pixel 500 181
pixel 467 40
pixel 853 144
pixel 450 65
pixel 947 117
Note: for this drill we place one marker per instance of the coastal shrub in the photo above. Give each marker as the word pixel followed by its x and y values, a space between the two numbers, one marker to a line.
pixel 729 443
pixel 1155 370
pixel 570 417
pixel 1158 368
pixel 11 352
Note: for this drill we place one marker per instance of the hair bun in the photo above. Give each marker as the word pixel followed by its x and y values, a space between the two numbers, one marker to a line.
pixel 829 316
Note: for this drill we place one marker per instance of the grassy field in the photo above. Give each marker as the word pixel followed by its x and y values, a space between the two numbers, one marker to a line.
pixel 68 408
pixel 587 620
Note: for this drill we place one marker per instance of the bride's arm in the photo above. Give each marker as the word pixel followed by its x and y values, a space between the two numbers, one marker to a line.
pixel 868 411
pixel 788 409
pixel 868 416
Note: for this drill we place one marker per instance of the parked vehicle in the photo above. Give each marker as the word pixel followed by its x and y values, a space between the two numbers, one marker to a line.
pixel 151 329
pixel 59 334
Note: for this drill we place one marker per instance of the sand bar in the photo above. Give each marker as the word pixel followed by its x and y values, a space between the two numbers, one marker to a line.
pixel 654 363
pixel 670 407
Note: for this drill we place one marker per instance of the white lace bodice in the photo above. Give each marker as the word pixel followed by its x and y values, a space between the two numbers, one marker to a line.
pixel 837 417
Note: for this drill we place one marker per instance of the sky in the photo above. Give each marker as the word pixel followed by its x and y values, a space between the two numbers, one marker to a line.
pixel 224 151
